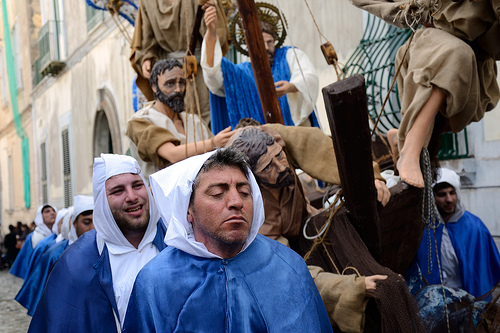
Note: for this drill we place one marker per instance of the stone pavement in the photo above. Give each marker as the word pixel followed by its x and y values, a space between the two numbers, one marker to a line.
pixel 13 317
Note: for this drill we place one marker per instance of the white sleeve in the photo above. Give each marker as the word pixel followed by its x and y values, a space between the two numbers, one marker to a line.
pixel 302 103
pixel 213 75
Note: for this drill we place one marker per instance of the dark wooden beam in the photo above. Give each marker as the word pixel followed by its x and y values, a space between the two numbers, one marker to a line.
pixel 346 109
pixel 260 62
pixel 195 32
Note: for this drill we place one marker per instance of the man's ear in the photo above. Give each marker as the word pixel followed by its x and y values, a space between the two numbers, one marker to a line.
pixel 153 87
pixel 190 218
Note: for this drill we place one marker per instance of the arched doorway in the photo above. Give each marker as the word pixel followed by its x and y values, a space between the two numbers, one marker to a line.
pixel 102 135
pixel 107 137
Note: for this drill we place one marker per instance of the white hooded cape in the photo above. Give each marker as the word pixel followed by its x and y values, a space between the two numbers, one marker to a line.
pixel 125 260
pixel 172 189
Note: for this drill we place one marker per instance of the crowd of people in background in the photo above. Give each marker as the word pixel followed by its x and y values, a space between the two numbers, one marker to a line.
pixel 13 242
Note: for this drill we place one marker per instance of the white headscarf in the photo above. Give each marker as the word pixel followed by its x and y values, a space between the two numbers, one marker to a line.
pixel 65 226
pixel 81 203
pixel 106 166
pixel 125 260
pixel 40 226
pixel 172 189
pixel 445 175
pixel 60 215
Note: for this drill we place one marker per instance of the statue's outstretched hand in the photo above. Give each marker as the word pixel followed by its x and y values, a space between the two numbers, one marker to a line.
pixel 383 194
pixel 371 284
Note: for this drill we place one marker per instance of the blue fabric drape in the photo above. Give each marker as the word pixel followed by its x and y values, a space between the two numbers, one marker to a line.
pixel 20 266
pixel 266 288
pixel 242 97
pixel 79 296
pixel 32 289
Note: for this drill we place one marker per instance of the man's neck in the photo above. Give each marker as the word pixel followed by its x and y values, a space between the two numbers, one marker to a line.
pixel 446 217
pixel 135 237
pixel 160 107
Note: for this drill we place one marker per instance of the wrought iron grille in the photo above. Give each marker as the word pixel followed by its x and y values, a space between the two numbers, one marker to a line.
pixel 374 58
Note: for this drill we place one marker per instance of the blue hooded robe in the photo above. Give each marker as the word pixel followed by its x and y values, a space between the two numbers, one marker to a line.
pixel 477 254
pixel 79 296
pixel 266 288
pixel 36 253
pixel 20 266
pixel 33 286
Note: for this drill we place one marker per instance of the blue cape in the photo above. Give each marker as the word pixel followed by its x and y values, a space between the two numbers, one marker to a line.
pixel 37 252
pixel 242 97
pixel 266 288
pixel 20 266
pixel 32 289
pixel 476 251
pixel 79 296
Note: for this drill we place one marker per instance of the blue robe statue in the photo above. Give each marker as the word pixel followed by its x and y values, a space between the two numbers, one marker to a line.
pixel 79 296
pixel 265 288
pixel 242 97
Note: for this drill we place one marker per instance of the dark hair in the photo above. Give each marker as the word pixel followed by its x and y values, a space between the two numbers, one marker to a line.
pixel 441 186
pixel 223 157
pixel 244 122
pixel 160 67
pixel 253 142
pixel 84 213
pixel 268 28
pixel 47 206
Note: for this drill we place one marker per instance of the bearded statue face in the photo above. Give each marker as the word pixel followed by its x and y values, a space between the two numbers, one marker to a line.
pixel 171 89
pixel 272 168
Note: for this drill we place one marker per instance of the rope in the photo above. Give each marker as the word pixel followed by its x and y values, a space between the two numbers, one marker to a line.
pixel 120 27
pixel 432 219
pixel 297 59
pixel 325 226
pixel 319 238
pixel 338 69
pixel 393 82
pixel 316 24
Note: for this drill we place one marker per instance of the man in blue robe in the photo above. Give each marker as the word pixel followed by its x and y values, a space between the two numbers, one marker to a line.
pixel 468 254
pixel 233 89
pixel 93 278
pixel 217 274
pixel 32 289
pixel 31 252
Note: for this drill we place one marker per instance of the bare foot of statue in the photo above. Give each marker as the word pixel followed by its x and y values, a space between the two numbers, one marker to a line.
pixel 409 156
pixel 409 169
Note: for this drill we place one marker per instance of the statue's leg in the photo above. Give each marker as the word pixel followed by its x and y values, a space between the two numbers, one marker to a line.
pixel 392 139
pixel 409 160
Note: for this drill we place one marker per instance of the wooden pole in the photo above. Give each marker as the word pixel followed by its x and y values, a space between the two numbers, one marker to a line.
pixel 346 109
pixel 260 62
pixel 195 32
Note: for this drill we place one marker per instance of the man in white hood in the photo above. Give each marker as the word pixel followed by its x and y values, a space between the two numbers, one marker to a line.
pixel 468 254
pixel 217 274
pixel 43 236
pixel 94 277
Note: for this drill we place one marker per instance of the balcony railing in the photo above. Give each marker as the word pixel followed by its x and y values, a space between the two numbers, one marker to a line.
pixel 94 17
pixel 50 61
